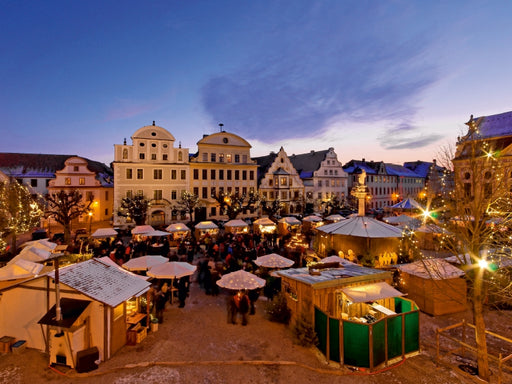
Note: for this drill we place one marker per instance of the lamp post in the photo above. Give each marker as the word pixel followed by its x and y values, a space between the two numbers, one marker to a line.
pixel 90 221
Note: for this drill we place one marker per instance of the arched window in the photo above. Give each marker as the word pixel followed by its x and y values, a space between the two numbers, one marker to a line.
pixel 180 156
pixel 125 154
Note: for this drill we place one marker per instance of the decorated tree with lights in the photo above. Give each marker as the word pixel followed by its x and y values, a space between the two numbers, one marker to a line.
pixel 66 206
pixel 20 212
pixel 271 208
pixel 476 213
pixel 234 205
pixel 188 203
pixel 135 208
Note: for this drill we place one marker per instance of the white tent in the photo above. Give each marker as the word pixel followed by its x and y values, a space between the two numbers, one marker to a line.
pixel 362 226
pixel 177 227
pixel 143 263
pixel 334 218
pixel 142 229
pixel 102 233
pixel 156 233
pixel 312 218
pixel 206 225
pixel 408 203
pixel 436 269
pixel 290 220
pixel 236 223
pixel 403 220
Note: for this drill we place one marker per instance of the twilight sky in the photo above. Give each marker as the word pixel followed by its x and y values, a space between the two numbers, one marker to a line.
pixel 381 80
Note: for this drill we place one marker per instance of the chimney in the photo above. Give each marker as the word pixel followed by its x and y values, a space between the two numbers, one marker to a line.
pixel 221 125
pixel 153 122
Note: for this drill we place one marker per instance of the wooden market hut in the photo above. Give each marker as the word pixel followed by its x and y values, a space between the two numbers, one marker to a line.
pixel 309 223
pixel 206 229
pixel 99 303
pixel 264 226
pixel 288 225
pixel 435 285
pixel 178 232
pixel 359 318
pixel 236 226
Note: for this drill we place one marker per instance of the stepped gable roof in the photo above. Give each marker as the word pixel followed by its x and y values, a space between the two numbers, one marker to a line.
pixel 45 165
pixel 357 166
pixel 399 170
pixel 307 163
pixel 264 163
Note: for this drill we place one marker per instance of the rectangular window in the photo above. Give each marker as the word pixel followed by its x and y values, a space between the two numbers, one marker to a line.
pixel 173 174
pixel 221 174
pixel 205 157
pixel 76 168
pixel 141 156
pixel 284 181
pixel 221 157
pixel 140 192
pixel 213 157
pixel 213 211
pixel 205 174
pixel 244 190
pixel 174 195
pixel 244 159
pixel 129 194
pixel 157 194
pixel 229 174
pixel 296 194
pixel 230 190
pixel 196 174
pixel 153 156
pixel 129 173
pixel 212 174
pixel 237 158
pixel 164 156
pixel 251 175
pixel 196 191
pixel 213 192
pixel 319 183
pixel 244 175
pixel 68 181
pixel 140 174
pixel 205 193
pixel 237 191
pixel 157 174
pixel 183 174
pixel 271 182
pixel 106 196
pixel 228 158
pixel 81 181
pixel 237 175
pixel 89 196
pixel 106 211
pixel 319 195
pixel 271 195
pixel 33 182
pixel 284 195
pixel 265 194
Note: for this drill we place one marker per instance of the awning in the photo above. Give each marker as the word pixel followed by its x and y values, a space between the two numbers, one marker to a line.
pixel 370 292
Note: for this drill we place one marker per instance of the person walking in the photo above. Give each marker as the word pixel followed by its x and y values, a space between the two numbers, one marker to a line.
pixel 243 305
pixel 183 284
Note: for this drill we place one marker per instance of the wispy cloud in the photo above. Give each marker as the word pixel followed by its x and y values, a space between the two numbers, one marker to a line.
pixel 407 136
pixel 325 63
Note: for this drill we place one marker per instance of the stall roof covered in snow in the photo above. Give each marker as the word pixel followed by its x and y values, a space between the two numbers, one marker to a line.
pixel 104 283
pixel 329 277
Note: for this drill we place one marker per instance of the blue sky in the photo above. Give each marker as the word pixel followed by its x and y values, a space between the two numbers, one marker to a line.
pixel 381 80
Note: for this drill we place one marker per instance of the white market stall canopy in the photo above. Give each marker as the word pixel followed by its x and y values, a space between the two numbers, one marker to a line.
pixel 177 227
pixel 32 253
pixel 102 233
pixel 236 223
pixel 143 263
pixel 312 219
pixel 20 269
pixel 334 218
pixel 361 226
pixel 402 220
pixel 273 260
pixel 172 270
pixel 156 233
pixel 142 229
pixel 408 203
pixel 206 225
pixel 290 220
pixel 264 221
pixel 436 269
pixel 370 292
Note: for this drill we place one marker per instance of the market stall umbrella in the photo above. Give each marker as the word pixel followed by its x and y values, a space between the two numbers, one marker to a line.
pixel 143 263
pixel 334 218
pixel 142 229
pixel 171 270
pixel 240 280
pixel 102 233
pixel 273 260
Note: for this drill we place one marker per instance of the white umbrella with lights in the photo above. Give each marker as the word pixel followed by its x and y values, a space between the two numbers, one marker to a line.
pixel 142 229
pixel 171 270
pixel 240 280
pixel 143 263
pixel 102 233
pixel 273 260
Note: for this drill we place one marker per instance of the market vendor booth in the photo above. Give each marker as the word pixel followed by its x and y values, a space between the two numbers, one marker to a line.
pixel 359 318
pixel 264 226
pixel 206 229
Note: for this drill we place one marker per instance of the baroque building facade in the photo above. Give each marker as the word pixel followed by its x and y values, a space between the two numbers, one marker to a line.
pixel 151 167
pixel 222 165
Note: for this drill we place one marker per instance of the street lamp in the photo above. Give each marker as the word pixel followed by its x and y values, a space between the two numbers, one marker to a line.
pixel 90 221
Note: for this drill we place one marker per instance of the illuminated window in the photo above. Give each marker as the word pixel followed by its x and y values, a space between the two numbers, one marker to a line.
pixel 221 157
pixel 81 181
pixel 228 158
pixel 68 181
pixel 284 181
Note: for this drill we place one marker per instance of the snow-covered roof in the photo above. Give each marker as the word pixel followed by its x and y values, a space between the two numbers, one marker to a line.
pixel 399 170
pixel 435 269
pixel 495 125
pixel 105 283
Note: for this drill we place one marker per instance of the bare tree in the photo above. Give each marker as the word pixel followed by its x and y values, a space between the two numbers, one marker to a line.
pixel 189 202
pixel 19 212
pixel 479 199
pixel 135 208
pixel 65 207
